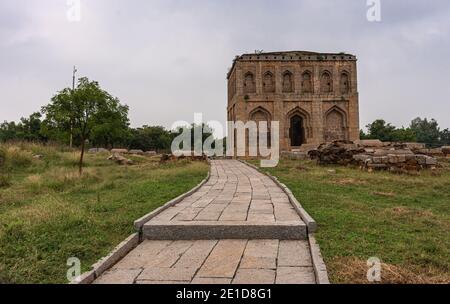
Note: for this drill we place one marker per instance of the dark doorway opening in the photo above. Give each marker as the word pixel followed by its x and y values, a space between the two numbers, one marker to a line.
pixel 297 132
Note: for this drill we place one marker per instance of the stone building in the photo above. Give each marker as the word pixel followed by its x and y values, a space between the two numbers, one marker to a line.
pixel 314 96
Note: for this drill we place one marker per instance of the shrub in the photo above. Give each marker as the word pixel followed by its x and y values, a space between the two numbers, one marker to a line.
pixel 2 158
pixel 17 158
pixel 5 180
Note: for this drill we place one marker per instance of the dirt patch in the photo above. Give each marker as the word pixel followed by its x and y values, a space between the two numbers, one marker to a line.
pixel 384 194
pixel 352 270
pixel 349 181
pixel 414 212
pixel 302 168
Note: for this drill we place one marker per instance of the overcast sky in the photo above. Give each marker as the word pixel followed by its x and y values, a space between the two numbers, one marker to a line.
pixel 168 59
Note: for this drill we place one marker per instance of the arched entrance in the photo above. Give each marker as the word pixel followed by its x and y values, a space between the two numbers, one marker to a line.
pixel 297 131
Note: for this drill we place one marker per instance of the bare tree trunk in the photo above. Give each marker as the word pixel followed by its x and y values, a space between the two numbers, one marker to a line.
pixel 71 136
pixel 80 165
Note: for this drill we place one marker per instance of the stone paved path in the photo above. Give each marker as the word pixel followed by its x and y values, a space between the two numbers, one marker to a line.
pixel 239 227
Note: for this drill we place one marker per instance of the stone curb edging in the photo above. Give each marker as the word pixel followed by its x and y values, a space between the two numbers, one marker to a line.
pixel 309 221
pixel 320 269
pixel 106 262
pixel 139 223
pixel 133 240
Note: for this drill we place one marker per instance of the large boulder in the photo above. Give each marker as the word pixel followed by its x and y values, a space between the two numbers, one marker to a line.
pixel 150 153
pixel 119 159
pixel 119 151
pixel 136 152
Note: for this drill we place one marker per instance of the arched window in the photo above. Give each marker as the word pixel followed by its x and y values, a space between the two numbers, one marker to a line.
pixel 288 84
pixel 326 84
pixel 307 82
pixel 249 83
pixel 268 83
pixel 345 83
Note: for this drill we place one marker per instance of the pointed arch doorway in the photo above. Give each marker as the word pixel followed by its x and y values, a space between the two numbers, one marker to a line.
pixel 297 131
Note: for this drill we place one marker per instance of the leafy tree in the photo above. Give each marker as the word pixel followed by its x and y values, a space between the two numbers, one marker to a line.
pixel 427 131
pixel 203 129
pixel 381 130
pixel 30 128
pixel 150 138
pixel 403 135
pixel 363 135
pixel 445 137
pixel 8 131
pixel 88 106
pixel 110 126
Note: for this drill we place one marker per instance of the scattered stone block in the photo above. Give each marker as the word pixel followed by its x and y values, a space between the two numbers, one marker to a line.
pixel 136 152
pixel 98 150
pixel 119 151
pixel 119 159
pixel 370 143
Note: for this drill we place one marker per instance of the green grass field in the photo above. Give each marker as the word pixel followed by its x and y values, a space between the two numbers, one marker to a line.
pixel 403 220
pixel 49 213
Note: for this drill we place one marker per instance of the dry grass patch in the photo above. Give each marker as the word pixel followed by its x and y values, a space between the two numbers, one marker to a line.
pixel 353 270
pixel 349 181
pixel 384 194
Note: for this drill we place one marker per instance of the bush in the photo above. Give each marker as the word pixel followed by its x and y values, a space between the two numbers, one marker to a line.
pixel 2 158
pixel 5 180
pixel 17 158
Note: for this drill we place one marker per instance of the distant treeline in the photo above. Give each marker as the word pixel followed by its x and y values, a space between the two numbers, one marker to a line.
pixel 116 134
pixel 420 130
pixel 88 116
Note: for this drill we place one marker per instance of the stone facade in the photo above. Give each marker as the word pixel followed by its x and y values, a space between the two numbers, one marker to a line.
pixel 314 96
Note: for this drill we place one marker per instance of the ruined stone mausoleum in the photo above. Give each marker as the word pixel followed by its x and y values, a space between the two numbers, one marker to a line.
pixel 314 96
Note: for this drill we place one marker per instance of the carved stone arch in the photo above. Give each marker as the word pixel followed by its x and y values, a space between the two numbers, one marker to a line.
pixel 344 82
pixel 288 82
pixel 260 110
pixel 307 82
pixel 268 82
pixel 335 124
pixel 249 83
pixel 260 114
pixel 326 82
pixel 298 118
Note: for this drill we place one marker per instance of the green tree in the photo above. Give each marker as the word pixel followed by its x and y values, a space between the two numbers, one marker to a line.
pixel 150 138
pixel 8 131
pixel 87 106
pixel 427 131
pixel 445 137
pixel 203 129
pixel 403 135
pixel 30 128
pixel 110 126
pixel 381 130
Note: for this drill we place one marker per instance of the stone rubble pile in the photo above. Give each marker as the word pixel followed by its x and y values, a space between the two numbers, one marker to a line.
pixel 375 155
pixel 119 159
pixel 337 152
pixel 171 157
pixel 123 151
